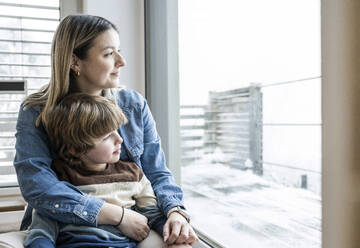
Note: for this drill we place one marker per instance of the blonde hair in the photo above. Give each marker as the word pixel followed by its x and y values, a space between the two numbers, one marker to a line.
pixel 74 35
pixel 77 120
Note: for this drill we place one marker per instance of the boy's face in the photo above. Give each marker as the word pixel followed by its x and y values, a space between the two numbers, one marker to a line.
pixel 107 150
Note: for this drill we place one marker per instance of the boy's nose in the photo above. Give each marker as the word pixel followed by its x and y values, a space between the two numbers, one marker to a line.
pixel 118 138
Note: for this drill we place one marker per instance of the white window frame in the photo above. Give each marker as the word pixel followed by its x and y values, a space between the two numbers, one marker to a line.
pixel 162 76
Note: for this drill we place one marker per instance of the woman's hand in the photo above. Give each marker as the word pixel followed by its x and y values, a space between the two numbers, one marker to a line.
pixel 178 231
pixel 134 225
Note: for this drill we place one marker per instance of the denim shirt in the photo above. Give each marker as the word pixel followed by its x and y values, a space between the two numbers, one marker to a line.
pixel 64 202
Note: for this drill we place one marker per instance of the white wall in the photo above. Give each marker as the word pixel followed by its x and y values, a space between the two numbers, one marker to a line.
pixel 128 16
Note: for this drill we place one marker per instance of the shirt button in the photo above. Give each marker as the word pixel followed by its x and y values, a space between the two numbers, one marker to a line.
pixel 84 213
pixel 56 205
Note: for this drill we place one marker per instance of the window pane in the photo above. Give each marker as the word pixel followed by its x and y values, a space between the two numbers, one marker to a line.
pixel 48 3
pixel 250 113
pixel 30 12
pixel 25 43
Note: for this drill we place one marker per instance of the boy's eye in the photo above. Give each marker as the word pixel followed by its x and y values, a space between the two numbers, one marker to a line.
pixel 107 137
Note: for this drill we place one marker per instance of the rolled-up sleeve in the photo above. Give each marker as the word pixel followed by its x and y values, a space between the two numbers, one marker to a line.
pixel 38 183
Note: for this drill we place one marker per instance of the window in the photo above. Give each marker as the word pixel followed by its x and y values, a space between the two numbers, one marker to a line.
pixel 26 31
pixel 250 120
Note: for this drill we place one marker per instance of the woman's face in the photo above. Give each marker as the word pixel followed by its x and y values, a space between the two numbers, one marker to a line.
pixel 101 67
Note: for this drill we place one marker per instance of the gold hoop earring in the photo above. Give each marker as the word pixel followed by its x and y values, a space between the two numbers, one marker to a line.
pixel 77 73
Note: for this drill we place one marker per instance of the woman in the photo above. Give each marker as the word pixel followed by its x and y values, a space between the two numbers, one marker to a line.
pixel 85 58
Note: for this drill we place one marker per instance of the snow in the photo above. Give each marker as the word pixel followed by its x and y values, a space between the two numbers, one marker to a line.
pixel 240 209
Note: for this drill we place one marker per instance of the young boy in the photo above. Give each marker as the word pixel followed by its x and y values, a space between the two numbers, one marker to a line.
pixel 83 133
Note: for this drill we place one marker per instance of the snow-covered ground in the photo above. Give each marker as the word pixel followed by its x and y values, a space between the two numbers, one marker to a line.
pixel 240 209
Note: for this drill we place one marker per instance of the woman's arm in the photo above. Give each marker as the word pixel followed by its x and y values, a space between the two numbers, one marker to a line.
pixel 168 193
pixel 39 184
pixel 142 144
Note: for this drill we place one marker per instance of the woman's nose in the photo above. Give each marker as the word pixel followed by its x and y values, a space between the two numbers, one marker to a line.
pixel 120 61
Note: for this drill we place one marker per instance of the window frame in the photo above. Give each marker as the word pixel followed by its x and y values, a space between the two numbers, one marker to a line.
pixel 340 114
pixel 162 72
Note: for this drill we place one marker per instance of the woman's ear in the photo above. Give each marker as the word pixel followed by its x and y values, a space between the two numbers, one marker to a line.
pixel 72 151
pixel 75 63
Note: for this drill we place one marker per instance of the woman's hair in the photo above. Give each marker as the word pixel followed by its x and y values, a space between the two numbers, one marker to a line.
pixel 74 35
pixel 77 120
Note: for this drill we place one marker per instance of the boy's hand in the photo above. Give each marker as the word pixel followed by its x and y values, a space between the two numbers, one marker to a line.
pixel 134 225
pixel 178 231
